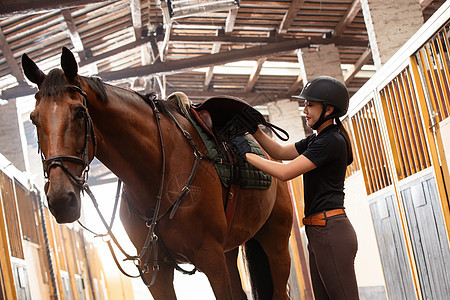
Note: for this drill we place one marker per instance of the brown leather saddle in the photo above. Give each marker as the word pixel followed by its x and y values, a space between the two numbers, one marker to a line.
pixel 226 117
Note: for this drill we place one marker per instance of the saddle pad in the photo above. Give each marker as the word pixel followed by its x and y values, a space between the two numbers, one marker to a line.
pixel 248 176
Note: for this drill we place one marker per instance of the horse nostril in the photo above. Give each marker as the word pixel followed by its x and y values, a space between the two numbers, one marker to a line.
pixel 65 208
pixel 72 201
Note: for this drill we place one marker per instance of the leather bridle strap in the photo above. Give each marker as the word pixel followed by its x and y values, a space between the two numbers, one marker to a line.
pixel 58 160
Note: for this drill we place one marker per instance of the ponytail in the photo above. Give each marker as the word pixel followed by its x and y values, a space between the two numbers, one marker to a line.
pixel 344 133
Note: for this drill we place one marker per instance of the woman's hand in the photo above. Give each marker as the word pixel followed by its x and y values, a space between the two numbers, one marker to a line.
pixel 241 146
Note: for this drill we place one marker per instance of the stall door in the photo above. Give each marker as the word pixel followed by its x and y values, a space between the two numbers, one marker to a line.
pixel 391 244
pixel 427 231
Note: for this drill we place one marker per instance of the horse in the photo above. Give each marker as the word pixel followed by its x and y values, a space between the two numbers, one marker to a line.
pixel 79 117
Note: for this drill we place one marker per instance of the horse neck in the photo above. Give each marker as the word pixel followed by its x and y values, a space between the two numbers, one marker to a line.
pixel 126 130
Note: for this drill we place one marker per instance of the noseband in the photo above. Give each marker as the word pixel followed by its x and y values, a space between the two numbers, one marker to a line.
pixel 58 160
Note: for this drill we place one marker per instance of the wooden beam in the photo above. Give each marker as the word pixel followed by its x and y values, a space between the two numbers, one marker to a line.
pixel 162 85
pixel 116 51
pixel 351 73
pixel 209 74
pixel 348 18
pixel 290 15
pixel 135 6
pixel 183 65
pixel 9 8
pixel 73 33
pixel 163 46
pixel 10 60
pixel 226 39
pixel 255 75
pixel 231 20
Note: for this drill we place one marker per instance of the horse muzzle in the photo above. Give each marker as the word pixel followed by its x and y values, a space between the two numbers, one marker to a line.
pixel 64 204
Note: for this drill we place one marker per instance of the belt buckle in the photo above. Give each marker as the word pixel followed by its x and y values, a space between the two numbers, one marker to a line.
pixel 323 218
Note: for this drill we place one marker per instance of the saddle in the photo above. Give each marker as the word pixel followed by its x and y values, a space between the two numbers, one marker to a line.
pixel 226 117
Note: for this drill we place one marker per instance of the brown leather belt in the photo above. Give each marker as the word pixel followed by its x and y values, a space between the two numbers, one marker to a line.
pixel 320 219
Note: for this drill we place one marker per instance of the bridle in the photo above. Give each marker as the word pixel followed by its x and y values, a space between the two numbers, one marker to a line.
pixel 58 160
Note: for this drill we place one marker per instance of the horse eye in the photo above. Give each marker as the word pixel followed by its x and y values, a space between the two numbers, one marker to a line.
pixel 33 117
pixel 80 112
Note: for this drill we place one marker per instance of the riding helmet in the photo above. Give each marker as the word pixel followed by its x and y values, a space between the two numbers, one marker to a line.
pixel 329 91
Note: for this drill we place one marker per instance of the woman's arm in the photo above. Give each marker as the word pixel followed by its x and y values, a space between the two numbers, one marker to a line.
pixel 274 149
pixel 298 166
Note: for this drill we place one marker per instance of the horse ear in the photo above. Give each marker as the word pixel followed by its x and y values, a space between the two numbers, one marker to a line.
pixel 31 70
pixel 68 63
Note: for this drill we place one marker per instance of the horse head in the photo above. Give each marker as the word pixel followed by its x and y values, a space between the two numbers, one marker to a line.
pixel 65 134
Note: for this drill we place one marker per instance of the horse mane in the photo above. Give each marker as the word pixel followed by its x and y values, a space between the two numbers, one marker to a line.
pixel 164 106
pixel 98 86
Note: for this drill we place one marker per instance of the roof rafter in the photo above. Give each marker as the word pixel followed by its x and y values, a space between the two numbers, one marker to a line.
pixel 73 33
pixel 10 8
pixel 348 18
pixel 135 6
pixel 231 20
pixel 255 75
pixel 10 60
pixel 290 15
pixel 209 74
pixel 261 40
pixel 351 73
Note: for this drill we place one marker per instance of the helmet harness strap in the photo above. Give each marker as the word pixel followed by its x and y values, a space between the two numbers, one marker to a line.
pixel 322 117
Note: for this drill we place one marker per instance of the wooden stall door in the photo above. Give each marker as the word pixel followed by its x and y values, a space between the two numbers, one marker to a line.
pixel 427 230
pixel 391 243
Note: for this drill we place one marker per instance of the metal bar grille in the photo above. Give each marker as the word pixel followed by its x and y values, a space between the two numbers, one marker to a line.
pixel 433 60
pixel 370 149
pixel 404 124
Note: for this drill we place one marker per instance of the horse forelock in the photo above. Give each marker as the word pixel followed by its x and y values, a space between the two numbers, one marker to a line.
pixel 54 84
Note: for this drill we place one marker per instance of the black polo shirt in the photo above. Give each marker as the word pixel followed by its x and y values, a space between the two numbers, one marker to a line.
pixel 324 186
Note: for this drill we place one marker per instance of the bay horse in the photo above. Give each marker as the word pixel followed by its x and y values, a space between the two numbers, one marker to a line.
pixel 80 117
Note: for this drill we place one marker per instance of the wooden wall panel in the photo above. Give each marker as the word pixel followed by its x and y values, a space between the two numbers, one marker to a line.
pixel 11 216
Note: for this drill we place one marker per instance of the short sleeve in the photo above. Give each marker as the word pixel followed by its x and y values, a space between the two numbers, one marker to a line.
pixel 302 145
pixel 322 150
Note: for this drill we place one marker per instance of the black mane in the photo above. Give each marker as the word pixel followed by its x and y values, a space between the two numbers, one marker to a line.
pixel 164 106
pixel 98 86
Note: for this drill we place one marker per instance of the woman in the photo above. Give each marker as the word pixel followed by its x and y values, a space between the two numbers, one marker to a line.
pixel 322 158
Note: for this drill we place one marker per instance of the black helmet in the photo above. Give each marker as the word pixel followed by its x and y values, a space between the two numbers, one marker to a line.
pixel 329 91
